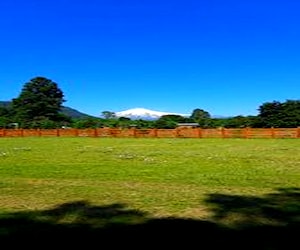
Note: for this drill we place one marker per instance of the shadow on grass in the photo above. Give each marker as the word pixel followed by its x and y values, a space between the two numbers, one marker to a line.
pixel 239 222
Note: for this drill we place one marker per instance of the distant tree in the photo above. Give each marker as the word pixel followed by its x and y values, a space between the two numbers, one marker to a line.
pixel 239 122
pixel 269 113
pixel 88 122
pixel 4 111
pixel 277 114
pixel 5 117
pixel 169 121
pixel 201 116
pixel 175 118
pixel 143 124
pixel 108 115
pixel 39 102
pixel 112 123
pixel 124 119
pixel 124 122
pixel 164 123
pixel 290 115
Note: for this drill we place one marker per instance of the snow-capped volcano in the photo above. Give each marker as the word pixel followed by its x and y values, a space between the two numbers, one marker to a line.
pixel 142 113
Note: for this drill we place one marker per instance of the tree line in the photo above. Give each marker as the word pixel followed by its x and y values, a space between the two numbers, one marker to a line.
pixel 39 105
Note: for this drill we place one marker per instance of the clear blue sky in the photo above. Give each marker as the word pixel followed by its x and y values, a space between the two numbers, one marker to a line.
pixel 226 57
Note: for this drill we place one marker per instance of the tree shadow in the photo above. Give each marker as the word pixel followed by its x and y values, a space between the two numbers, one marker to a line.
pixel 268 222
pixel 281 208
pixel 238 222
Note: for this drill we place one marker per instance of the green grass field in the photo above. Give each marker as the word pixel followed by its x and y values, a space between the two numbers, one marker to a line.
pixel 217 180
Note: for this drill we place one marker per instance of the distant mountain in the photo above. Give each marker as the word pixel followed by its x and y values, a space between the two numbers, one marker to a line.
pixel 5 104
pixel 144 114
pixel 73 113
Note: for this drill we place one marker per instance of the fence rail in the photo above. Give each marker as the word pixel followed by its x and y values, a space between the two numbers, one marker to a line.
pixel 157 133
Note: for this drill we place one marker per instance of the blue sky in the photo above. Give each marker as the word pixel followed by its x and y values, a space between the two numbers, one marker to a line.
pixel 226 57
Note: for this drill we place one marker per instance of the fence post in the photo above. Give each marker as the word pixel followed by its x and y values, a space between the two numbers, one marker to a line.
pixel 57 132
pixel 199 130
pixel 223 132
pixel 155 132
pixel 177 134
pixel 246 132
pixel 95 132
pixel 134 132
pixel 272 132
pixel 298 133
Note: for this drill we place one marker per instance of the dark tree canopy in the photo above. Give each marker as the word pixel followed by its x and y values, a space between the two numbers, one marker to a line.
pixel 201 116
pixel 5 117
pixel 169 121
pixel 280 114
pixel 108 115
pixel 40 101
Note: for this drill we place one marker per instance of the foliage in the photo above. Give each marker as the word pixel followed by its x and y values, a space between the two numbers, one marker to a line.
pixel 124 122
pixel 5 117
pixel 143 123
pixel 280 114
pixel 39 102
pixel 88 122
pixel 202 117
pixel 108 115
pixel 239 122
pixel 198 114
pixel 170 121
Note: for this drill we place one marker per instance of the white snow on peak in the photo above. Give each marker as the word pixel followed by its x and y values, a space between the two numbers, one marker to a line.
pixel 142 113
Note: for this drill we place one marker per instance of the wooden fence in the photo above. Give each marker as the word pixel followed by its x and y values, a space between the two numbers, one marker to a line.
pixel 157 133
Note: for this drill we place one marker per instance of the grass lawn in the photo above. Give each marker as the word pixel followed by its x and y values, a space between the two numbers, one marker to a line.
pixel 224 181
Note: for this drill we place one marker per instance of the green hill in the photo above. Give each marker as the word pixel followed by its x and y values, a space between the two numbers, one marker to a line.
pixel 4 104
pixel 73 113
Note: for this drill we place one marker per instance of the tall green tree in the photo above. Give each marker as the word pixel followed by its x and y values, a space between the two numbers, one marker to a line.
pixel 108 115
pixel 39 102
pixel 201 116
pixel 280 114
